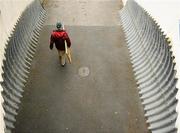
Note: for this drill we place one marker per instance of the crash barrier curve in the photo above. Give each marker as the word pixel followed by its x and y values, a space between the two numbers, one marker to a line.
pixel 153 66
pixel 19 53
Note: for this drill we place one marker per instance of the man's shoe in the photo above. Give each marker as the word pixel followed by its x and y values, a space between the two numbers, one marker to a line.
pixel 63 65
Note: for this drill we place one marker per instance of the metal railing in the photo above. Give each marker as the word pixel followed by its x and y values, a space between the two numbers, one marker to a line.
pixel 19 53
pixel 153 67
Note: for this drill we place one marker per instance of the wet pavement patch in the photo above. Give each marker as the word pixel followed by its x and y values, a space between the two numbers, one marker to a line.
pixel 83 71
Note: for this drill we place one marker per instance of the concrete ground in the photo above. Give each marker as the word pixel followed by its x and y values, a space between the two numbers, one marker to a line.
pixel 97 93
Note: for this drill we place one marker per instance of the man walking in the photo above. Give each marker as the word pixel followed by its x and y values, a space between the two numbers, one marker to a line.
pixel 59 37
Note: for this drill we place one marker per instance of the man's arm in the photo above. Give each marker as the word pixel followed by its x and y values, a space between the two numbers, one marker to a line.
pixel 51 42
pixel 68 41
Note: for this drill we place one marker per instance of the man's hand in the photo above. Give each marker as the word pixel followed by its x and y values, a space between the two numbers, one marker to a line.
pixel 51 46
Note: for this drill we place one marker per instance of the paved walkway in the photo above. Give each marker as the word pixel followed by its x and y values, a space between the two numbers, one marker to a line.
pixel 97 93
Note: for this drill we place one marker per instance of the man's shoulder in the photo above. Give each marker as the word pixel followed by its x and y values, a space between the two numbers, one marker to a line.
pixel 58 33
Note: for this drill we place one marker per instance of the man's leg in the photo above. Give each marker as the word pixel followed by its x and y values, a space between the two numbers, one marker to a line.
pixel 62 57
pixel 59 56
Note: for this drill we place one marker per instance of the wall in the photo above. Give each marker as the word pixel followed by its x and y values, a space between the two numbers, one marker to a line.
pixel 9 14
pixel 167 14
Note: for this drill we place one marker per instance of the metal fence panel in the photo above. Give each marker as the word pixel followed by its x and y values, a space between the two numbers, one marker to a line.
pixel 153 66
pixel 19 53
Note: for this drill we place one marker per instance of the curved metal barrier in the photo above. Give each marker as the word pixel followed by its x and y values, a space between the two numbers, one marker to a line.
pixel 18 56
pixel 153 67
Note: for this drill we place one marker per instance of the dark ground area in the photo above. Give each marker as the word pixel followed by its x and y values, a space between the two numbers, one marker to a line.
pixel 59 100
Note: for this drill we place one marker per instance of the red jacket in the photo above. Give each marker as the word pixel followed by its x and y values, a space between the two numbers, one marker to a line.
pixel 59 37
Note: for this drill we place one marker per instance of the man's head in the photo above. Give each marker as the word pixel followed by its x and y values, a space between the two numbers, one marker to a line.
pixel 58 25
